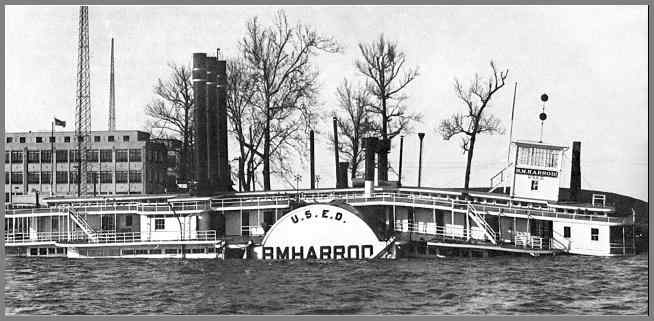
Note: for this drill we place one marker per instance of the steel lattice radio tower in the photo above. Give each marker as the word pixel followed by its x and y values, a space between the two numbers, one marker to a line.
pixel 112 92
pixel 83 97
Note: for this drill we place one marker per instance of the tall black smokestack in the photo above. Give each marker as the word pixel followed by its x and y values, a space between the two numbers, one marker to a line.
pixel 575 173
pixel 370 144
pixel 312 160
pixel 199 120
pixel 342 174
pixel 224 174
pixel 212 121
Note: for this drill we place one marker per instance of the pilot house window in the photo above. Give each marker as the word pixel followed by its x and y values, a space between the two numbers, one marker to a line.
pixel 541 157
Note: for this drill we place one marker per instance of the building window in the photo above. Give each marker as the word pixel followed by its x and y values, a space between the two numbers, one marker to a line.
pixel 67 139
pixel 46 156
pixel 62 177
pixel 61 156
pixel 33 177
pixel 121 177
pixel 22 140
pixel 122 155
pixel 74 177
pixel 566 231
pixel 534 185
pixel 39 139
pixel 33 156
pixel 128 220
pixel 106 156
pixel 91 177
pixel 7 157
pixel 159 224
pixel 96 138
pixel 6 177
pixel 17 178
pixel 92 155
pixel 110 138
pixel 134 155
pixel 10 139
pixel 594 234
pixel 106 177
pixel 51 139
pixel 46 177
pixel 74 156
pixel 16 157
pixel 55 223
pixel 80 138
pixel 125 138
pixel 135 176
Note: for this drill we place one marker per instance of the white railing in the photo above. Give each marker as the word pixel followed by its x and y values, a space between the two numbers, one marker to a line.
pixel 252 230
pixel 43 237
pixel 432 229
pixel 417 199
pixel 106 237
pixel 530 241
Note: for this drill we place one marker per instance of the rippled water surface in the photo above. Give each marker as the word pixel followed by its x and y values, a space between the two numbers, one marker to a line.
pixel 497 285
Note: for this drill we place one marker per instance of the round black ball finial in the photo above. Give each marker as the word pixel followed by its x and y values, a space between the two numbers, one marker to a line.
pixel 542 116
pixel 543 97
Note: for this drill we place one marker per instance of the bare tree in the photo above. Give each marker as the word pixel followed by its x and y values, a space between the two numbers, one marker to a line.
pixel 383 66
pixel 353 120
pixel 476 97
pixel 280 59
pixel 171 111
pixel 244 118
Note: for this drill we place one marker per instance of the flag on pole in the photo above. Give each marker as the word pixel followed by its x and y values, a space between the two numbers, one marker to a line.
pixel 58 122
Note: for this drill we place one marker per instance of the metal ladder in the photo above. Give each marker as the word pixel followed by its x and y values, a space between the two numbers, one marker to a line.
pixel 480 221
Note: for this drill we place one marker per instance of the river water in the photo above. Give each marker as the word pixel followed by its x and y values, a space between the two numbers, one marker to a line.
pixel 507 285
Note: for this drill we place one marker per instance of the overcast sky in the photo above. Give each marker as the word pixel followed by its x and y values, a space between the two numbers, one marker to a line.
pixel 590 60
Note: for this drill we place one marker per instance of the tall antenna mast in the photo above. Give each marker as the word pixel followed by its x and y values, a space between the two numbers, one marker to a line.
pixel 112 92
pixel 83 97
pixel 508 153
pixel 542 116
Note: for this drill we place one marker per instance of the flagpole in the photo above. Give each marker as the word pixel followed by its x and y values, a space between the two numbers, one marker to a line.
pixel 53 171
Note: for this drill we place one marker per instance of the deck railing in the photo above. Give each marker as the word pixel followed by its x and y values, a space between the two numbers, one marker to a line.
pixel 107 237
pixel 352 197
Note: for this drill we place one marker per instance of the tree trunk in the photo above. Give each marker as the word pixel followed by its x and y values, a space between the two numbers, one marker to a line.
pixel 241 173
pixel 471 149
pixel 266 157
pixel 382 170
pixel 355 155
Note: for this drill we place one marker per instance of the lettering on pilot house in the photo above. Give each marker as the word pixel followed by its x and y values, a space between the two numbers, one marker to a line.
pixel 536 172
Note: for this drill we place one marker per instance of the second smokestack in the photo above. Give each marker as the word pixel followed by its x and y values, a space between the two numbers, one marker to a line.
pixel 575 173
pixel 199 79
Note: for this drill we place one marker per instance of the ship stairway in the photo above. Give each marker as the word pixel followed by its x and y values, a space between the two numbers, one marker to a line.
pixel 481 222
pixel 387 252
pixel 499 178
pixel 83 224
